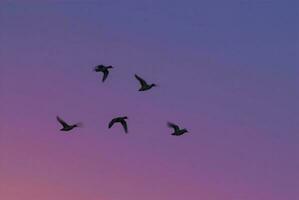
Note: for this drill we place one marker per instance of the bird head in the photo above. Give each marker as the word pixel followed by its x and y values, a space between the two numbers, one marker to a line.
pixel 154 85
pixel 98 67
pixel 185 130
pixel 125 117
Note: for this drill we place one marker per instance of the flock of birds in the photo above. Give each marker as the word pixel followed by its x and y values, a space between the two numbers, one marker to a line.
pixel 144 86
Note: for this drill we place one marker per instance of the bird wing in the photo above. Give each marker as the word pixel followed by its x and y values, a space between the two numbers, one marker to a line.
pixel 141 81
pixel 63 123
pixel 105 72
pixel 124 124
pixel 111 123
pixel 174 126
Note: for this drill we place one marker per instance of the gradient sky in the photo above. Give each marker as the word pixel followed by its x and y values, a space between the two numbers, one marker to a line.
pixel 227 71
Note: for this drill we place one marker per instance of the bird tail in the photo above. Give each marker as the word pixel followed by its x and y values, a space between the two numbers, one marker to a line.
pixel 79 124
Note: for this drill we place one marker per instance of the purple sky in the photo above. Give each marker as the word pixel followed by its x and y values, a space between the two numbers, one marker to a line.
pixel 227 71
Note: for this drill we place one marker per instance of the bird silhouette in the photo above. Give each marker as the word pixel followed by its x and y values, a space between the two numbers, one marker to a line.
pixel 119 120
pixel 65 126
pixel 104 69
pixel 177 130
pixel 144 85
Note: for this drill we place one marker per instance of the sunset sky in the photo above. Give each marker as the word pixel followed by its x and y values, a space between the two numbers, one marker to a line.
pixel 227 71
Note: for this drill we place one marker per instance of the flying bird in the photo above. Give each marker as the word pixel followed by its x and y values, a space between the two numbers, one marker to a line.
pixel 104 69
pixel 65 126
pixel 144 85
pixel 177 130
pixel 121 120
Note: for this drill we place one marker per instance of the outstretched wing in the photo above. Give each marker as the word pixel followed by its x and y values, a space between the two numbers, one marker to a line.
pixel 141 81
pixel 105 74
pixel 174 126
pixel 111 123
pixel 63 123
pixel 124 124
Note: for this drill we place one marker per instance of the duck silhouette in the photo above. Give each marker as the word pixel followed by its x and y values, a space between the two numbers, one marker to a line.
pixel 104 69
pixel 121 120
pixel 144 85
pixel 177 130
pixel 65 126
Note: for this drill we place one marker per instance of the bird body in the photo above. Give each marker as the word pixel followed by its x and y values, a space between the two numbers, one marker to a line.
pixel 121 120
pixel 68 128
pixel 104 69
pixel 144 85
pixel 177 130
pixel 65 126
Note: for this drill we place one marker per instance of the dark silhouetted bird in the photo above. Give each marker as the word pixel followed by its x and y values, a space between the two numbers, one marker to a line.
pixel 67 127
pixel 144 85
pixel 104 69
pixel 120 120
pixel 177 130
